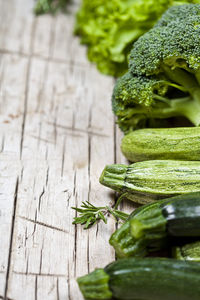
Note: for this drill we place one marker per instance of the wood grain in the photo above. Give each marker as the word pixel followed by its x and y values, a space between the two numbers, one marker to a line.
pixel 57 132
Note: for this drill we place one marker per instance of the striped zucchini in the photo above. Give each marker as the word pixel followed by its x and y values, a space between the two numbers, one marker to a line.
pixel 154 177
pixel 138 278
pixel 162 143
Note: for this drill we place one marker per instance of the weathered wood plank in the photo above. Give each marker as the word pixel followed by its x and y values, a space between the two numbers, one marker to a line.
pixel 63 132
pixel 68 48
pixel 9 170
pixel 13 72
pixel 16 23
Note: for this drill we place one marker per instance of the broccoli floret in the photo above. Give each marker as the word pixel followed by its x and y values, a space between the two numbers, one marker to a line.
pixel 164 72
pixel 174 41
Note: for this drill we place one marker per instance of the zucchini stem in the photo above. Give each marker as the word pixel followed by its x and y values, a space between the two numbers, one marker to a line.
pixel 151 225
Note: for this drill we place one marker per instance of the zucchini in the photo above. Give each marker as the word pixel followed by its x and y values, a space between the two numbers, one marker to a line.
pixel 162 143
pixel 138 278
pixel 175 218
pixel 126 245
pixel 154 177
pixel 189 252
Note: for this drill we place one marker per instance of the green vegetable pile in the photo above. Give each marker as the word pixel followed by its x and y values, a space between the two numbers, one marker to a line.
pixel 158 244
pixel 109 28
pixel 160 89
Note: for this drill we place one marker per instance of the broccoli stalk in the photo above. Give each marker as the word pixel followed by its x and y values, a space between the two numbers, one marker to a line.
pixel 163 80
pixel 188 107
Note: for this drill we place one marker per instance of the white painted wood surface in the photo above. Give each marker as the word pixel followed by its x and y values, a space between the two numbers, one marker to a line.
pixel 57 132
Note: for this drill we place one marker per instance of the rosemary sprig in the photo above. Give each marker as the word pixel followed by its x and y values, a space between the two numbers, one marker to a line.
pixel 90 214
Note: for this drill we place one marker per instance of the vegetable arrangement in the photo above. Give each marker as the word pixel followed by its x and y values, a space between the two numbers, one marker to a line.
pixel 149 229
pixel 160 89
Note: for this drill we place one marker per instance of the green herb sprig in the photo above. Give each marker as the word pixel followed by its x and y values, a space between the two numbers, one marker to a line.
pixel 90 214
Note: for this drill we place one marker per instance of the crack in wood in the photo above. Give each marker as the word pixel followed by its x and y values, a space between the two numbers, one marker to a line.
pixel 39 136
pixel 43 58
pixel 40 139
pixel 57 289
pixel 41 252
pixel 36 287
pixel 75 237
pixel 1 297
pixel 2 143
pixel 27 264
pixel 47 177
pixel 36 222
pixel 68 283
pixel 27 90
pixel 55 128
pixel 78 130
pixel 63 157
pixel 11 239
pixel 22 174
pixel 97 229
pixel 40 198
pixel 41 274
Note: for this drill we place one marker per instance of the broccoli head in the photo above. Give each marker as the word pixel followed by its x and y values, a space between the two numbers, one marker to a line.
pixel 163 80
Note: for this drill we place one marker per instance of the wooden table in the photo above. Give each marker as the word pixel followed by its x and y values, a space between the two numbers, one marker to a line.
pixel 57 132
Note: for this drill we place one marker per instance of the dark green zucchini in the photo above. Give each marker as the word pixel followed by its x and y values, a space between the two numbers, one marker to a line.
pixel 162 143
pixel 143 278
pixel 156 177
pixel 189 252
pixel 126 245
pixel 178 218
